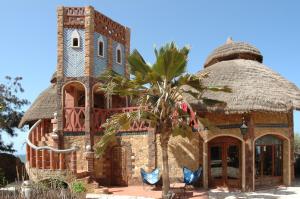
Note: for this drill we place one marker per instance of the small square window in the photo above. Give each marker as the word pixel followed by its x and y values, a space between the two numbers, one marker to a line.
pixel 75 42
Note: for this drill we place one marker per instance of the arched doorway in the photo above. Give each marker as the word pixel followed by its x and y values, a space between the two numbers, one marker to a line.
pixel 268 160
pixel 74 107
pixel 119 175
pixel 224 162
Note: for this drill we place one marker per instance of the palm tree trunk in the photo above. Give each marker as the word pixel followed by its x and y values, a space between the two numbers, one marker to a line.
pixel 165 169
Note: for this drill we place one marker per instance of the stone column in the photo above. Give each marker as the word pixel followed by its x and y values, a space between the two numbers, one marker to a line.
pixel 74 162
pixel 61 161
pixel 249 170
pixel 110 52
pixel 89 40
pixel 44 159
pixel 54 134
pixel 127 50
pixel 60 41
pixel 89 155
pixel 52 160
pixel 205 165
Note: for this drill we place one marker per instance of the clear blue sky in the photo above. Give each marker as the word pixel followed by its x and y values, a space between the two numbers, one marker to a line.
pixel 28 34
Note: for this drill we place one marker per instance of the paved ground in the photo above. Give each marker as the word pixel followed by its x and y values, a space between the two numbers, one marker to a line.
pixel 292 192
pixel 147 192
pixel 138 192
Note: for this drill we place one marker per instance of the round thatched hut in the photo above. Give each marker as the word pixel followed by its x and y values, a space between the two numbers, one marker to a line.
pixel 252 145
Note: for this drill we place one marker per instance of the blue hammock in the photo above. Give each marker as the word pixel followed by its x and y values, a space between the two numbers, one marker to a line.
pixel 190 177
pixel 150 178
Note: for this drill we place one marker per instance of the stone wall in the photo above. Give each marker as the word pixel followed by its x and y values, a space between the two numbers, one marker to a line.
pixel 79 141
pixel 136 145
pixel 182 153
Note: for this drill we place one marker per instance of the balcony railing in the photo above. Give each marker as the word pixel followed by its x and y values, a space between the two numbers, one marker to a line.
pixel 100 116
pixel 74 119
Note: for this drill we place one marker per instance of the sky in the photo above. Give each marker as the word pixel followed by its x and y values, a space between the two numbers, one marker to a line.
pixel 28 35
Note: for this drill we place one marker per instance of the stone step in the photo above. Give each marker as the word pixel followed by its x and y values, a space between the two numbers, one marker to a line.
pixel 101 190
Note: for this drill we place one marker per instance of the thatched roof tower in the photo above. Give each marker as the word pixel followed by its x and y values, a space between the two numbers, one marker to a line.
pixel 255 87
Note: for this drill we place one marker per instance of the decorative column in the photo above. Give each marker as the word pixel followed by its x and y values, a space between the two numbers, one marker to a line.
pixel 89 155
pixel 61 161
pixel 60 41
pixel 43 159
pixel 52 160
pixel 249 170
pixel 205 165
pixel 54 134
pixel 74 162
pixel 127 50
pixel 110 52
pixel 37 159
pixel 89 40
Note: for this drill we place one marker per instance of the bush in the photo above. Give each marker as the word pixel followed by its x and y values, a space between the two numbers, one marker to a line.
pixel 78 187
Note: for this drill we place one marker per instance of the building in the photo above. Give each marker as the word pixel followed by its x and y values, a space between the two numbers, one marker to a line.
pixel 66 118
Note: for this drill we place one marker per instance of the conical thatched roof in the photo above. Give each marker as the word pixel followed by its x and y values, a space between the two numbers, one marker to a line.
pixel 255 87
pixel 42 108
pixel 233 50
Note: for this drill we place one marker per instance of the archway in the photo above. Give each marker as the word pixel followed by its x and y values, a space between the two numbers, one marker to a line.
pixel 74 96
pixel 225 162
pixel 271 160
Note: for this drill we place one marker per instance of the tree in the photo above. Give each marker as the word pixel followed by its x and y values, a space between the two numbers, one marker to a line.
pixel 159 90
pixel 10 109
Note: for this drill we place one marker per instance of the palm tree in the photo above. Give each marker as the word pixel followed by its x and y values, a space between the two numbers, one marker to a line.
pixel 159 90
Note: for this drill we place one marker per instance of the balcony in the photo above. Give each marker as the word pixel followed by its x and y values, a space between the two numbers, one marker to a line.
pixel 74 119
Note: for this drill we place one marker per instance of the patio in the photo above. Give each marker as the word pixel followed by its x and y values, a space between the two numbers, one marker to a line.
pixel 146 192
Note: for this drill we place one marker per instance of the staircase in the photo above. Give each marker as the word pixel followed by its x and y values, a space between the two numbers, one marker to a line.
pixel 43 154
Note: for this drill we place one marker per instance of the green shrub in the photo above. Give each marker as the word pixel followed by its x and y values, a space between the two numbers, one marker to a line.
pixel 78 187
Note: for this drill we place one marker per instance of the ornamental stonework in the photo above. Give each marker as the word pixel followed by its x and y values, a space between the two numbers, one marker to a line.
pixel 109 28
pixel 74 17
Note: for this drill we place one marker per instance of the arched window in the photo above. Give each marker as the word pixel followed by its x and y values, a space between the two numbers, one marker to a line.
pixel 75 39
pixel 100 47
pixel 119 54
pixel 268 157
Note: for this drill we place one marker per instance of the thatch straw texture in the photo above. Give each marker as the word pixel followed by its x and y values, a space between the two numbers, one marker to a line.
pixel 42 108
pixel 233 50
pixel 255 87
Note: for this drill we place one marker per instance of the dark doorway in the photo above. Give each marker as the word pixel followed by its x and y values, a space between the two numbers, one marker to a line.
pixel 119 166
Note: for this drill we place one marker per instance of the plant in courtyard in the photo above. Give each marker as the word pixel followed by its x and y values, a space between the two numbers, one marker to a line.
pixel 10 109
pixel 78 187
pixel 160 91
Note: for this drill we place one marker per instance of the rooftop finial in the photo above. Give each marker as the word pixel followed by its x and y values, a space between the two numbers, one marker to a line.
pixel 229 40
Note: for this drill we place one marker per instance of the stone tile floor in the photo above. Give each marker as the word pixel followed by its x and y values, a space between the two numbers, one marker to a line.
pixel 138 192
pixel 146 192
pixel 281 192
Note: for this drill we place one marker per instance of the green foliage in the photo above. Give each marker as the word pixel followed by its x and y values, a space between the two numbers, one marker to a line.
pixel 10 109
pixel 160 87
pixel 78 187
pixel 158 90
